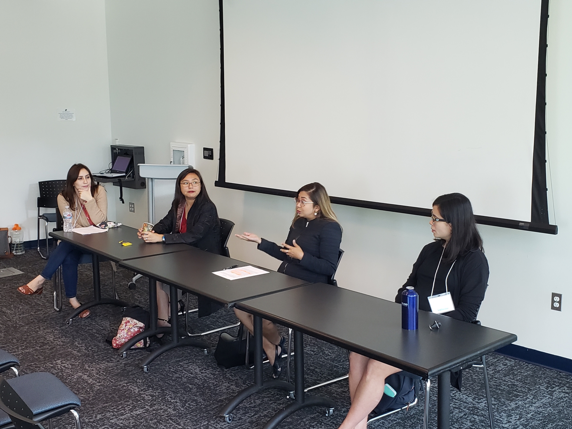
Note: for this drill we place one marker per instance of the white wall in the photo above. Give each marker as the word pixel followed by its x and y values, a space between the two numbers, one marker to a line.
pixel 54 57
pixel 165 59
pixel 164 85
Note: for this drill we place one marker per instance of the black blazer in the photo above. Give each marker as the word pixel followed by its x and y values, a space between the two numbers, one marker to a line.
pixel 203 228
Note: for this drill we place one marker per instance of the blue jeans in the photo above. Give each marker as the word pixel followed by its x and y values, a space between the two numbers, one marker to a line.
pixel 67 255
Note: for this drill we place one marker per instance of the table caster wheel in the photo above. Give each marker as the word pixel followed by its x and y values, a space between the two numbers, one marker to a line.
pixel 228 418
pixel 145 368
pixel 329 412
pixel 131 285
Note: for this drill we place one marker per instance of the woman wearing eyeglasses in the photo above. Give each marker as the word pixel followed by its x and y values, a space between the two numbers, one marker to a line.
pixel 192 220
pixel 453 267
pixel 310 253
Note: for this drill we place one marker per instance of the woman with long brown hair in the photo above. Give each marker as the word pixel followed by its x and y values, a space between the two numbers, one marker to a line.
pixel 87 200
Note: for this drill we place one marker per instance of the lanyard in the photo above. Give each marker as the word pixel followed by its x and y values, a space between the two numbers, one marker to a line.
pixel 446 278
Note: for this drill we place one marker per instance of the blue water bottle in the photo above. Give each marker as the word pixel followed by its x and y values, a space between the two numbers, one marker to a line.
pixel 409 309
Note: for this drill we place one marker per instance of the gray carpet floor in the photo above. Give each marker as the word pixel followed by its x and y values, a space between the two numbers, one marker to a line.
pixel 185 388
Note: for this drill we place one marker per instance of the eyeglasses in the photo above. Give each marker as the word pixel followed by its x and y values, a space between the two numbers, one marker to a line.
pixel 436 219
pixel 194 183
pixel 303 202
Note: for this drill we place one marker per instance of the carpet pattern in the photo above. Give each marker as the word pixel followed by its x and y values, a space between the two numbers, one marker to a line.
pixel 184 388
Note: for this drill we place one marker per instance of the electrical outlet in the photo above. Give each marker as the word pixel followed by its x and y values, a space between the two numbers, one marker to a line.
pixel 132 207
pixel 556 303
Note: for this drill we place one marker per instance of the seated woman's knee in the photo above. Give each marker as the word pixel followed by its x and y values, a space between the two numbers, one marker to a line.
pixel 376 370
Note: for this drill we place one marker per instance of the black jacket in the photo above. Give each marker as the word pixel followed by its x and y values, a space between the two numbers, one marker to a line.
pixel 319 239
pixel 467 280
pixel 203 228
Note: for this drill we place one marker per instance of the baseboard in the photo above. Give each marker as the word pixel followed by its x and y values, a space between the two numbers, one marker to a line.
pixel 538 358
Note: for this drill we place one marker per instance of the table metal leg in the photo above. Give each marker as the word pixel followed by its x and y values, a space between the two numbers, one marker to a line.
pixel 175 340
pixel 96 293
pixel 259 383
pixel 301 400
pixel 444 400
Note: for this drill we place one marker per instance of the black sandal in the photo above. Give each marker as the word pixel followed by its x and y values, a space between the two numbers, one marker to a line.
pixel 276 369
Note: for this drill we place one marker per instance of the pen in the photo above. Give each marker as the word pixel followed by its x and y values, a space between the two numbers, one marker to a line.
pixel 231 267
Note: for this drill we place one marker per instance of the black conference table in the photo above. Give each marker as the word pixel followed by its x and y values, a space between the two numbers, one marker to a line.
pixel 192 271
pixel 108 245
pixel 372 327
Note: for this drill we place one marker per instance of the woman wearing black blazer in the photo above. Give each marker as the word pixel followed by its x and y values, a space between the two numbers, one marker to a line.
pixel 192 220
pixel 310 253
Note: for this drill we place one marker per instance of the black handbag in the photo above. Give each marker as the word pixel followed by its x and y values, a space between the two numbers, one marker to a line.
pixel 231 351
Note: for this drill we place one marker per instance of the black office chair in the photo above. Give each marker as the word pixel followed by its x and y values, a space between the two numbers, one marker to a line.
pixel 48 199
pixel 14 409
pixel 27 400
pixel 8 361
pixel 332 280
pixel 226 227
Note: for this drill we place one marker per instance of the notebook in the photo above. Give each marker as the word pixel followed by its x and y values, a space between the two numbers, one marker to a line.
pixel 119 168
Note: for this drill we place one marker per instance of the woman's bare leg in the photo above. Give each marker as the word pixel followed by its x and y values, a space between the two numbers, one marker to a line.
pixel 358 364
pixel 270 334
pixel 367 393
pixel 162 306
pixel 37 283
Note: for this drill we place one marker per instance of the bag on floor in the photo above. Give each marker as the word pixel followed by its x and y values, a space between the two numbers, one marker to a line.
pixel 134 321
pixel 231 351
pixel 405 387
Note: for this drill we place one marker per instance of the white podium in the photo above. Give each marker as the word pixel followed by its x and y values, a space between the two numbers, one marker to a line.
pixel 154 172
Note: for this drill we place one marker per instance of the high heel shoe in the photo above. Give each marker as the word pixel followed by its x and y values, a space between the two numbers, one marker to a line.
pixel 27 290
pixel 276 369
pixel 159 336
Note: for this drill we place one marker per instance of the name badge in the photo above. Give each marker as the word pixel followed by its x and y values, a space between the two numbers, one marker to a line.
pixel 442 303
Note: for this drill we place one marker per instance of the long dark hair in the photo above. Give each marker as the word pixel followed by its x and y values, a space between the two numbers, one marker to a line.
pixel 179 198
pixel 456 209
pixel 320 197
pixel 69 192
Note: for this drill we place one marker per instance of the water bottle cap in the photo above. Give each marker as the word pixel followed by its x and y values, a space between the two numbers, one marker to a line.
pixel 410 287
pixel 16 227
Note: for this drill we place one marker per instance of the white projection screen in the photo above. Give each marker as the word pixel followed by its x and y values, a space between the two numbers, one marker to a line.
pixel 383 101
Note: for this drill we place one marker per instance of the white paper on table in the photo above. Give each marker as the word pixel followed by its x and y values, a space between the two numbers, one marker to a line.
pixel 88 230
pixel 240 273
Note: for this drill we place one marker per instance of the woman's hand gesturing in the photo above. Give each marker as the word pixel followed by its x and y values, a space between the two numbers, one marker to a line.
pixel 247 236
pixel 294 251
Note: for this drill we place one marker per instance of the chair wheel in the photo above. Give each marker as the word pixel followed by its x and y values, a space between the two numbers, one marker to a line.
pixel 206 351
pixel 329 412
pixel 145 368
pixel 131 285
pixel 291 395
pixel 124 354
pixel 69 321
pixel 228 418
